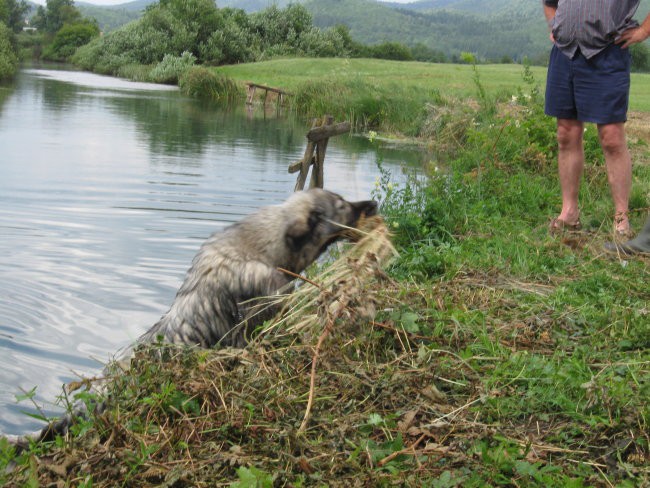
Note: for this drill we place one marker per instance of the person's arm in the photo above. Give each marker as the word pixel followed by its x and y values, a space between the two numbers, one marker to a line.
pixel 635 35
pixel 550 8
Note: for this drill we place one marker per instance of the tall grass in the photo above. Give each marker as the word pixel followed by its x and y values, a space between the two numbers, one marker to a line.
pixel 392 107
pixel 203 83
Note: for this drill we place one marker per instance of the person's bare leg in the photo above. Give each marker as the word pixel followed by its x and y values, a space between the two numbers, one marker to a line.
pixel 571 160
pixel 619 171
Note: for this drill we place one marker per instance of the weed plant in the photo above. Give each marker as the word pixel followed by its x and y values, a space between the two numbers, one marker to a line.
pixel 172 68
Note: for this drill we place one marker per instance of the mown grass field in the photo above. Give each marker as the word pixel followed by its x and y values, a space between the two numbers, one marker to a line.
pixel 450 79
pixel 489 353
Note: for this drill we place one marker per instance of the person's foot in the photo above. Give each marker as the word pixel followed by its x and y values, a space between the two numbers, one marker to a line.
pixel 622 228
pixel 559 225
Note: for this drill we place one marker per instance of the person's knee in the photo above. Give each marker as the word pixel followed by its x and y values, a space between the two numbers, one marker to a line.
pixel 612 140
pixel 569 135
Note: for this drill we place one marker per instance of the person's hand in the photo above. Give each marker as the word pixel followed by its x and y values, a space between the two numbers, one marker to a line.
pixel 551 37
pixel 632 36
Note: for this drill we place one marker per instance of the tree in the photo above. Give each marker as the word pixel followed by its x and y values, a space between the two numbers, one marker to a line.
pixel 13 13
pixel 278 27
pixel 69 38
pixel 55 15
pixel 8 59
pixel 640 57
pixel 392 50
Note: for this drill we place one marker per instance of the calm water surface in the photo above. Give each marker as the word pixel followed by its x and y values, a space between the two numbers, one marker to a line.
pixel 107 189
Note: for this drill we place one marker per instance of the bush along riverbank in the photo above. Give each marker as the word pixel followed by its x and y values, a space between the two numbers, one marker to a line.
pixel 8 58
pixel 488 353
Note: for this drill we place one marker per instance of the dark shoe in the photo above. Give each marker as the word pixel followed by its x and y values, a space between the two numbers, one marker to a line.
pixel 639 246
pixel 624 249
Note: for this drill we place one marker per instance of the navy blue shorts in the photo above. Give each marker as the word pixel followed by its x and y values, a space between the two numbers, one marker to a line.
pixel 590 90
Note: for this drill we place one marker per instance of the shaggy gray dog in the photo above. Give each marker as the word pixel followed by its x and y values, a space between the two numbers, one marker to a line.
pixel 221 300
pixel 217 301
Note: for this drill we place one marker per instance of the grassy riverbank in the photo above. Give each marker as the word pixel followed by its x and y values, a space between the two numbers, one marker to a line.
pixel 392 96
pixel 497 355
pixel 455 80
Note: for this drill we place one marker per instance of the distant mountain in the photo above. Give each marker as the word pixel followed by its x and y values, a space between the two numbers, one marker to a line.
pixel 482 7
pixel 486 7
pixel 113 17
pixel 491 37
pixel 135 6
pixel 254 5
pixel 491 29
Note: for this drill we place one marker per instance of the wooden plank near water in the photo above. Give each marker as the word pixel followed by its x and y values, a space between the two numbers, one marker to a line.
pixel 317 141
pixel 252 87
pixel 327 130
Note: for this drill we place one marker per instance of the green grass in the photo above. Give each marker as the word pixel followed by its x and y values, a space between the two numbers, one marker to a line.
pixel 451 80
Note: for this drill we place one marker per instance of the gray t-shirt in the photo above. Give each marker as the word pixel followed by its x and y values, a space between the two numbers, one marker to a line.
pixel 590 25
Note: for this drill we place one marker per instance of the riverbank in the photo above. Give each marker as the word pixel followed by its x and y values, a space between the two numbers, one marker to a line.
pixel 393 95
pixel 496 354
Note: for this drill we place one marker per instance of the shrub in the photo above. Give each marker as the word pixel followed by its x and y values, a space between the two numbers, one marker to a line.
pixel 69 38
pixel 8 59
pixel 322 43
pixel 204 83
pixel 170 69
pixel 391 50
pixel 158 33
pixel 640 57
pixel 275 27
pixel 231 44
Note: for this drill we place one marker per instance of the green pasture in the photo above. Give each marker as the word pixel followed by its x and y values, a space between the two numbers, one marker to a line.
pixel 454 80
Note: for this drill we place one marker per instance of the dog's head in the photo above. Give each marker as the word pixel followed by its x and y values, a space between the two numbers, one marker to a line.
pixel 320 217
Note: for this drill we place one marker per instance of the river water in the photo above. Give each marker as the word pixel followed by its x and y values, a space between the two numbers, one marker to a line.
pixel 107 189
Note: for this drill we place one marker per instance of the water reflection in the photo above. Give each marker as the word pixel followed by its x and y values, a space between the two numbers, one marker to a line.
pixel 106 192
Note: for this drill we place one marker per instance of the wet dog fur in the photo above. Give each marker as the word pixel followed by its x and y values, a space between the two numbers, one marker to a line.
pixel 216 304
pixel 219 300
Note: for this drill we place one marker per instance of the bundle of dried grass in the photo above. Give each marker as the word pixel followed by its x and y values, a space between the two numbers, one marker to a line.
pixel 337 290
pixel 341 291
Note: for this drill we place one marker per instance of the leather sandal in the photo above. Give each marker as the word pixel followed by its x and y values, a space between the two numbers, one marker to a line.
pixel 619 218
pixel 558 226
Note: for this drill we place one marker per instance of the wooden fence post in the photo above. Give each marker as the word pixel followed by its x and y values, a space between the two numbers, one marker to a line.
pixel 317 140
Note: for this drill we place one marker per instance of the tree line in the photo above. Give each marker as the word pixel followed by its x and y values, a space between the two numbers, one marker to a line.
pixel 12 15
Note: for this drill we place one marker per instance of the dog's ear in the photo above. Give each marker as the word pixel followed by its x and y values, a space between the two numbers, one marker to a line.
pixel 301 229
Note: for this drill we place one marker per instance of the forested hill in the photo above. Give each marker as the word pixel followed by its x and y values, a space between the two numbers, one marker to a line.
pixel 492 29
pixel 478 7
pixel 486 7
pixel 514 35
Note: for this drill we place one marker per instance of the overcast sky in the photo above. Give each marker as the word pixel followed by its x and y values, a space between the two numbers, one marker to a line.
pixel 115 2
pixel 94 2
